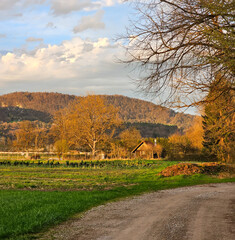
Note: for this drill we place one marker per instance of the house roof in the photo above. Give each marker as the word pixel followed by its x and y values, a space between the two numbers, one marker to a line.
pixel 140 144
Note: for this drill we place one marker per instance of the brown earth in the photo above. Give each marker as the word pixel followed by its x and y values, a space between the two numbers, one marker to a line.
pixel 204 212
pixel 211 168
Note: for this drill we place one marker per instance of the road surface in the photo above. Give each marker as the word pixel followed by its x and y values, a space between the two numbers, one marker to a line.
pixel 205 212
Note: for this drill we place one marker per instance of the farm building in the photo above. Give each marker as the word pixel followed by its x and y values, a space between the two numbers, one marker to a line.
pixel 144 150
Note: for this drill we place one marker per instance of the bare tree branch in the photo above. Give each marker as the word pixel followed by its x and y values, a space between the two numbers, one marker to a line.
pixel 180 46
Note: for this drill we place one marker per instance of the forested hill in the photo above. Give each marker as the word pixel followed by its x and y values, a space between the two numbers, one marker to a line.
pixel 136 110
pixel 40 101
pixel 131 109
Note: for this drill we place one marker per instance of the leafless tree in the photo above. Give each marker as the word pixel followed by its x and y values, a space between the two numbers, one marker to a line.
pixel 179 46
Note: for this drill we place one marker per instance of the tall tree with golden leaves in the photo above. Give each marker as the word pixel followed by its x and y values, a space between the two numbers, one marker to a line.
pixel 218 122
pixel 195 134
pixel 91 121
pixel 60 127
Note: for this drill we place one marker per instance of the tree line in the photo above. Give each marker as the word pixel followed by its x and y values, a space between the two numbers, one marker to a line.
pixel 93 126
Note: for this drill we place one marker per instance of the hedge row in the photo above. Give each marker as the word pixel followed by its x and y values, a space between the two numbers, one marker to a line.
pixel 82 164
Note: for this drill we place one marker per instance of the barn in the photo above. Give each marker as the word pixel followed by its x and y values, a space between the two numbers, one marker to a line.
pixel 144 150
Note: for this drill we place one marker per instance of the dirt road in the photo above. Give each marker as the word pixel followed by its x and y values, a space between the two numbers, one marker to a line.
pixel 205 212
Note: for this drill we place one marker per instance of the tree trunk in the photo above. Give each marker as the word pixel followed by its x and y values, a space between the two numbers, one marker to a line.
pixel 93 149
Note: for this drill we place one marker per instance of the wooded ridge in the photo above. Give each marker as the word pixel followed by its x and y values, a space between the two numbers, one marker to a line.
pixel 41 105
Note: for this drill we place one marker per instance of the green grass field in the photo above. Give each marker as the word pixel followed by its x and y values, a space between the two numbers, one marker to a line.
pixel 34 198
pixel 100 175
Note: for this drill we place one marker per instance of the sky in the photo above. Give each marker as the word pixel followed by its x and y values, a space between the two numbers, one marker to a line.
pixel 65 46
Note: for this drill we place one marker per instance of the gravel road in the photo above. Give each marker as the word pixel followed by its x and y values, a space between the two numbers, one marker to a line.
pixel 205 212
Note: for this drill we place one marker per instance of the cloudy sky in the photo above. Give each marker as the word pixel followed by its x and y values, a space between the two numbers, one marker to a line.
pixel 66 46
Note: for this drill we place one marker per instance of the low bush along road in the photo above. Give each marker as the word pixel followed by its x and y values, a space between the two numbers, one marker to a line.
pixel 204 212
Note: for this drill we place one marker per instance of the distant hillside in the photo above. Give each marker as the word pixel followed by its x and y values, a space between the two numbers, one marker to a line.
pixel 131 109
pixel 12 114
pixel 40 101
pixel 136 110
pixel 153 130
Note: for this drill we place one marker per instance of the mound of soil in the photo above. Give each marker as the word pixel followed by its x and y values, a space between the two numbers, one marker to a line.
pixel 180 169
pixel 210 168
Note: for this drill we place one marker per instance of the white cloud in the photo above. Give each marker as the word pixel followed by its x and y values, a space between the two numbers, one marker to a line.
pixel 76 64
pixel 58 6
pixel 17 14
pixel 7 4
pixel 50 25
pixel 61 7
pixel 33 39
pixel 10 4
pixel 90 22
pixel 17 8
pixel 2 35
pixel 109 3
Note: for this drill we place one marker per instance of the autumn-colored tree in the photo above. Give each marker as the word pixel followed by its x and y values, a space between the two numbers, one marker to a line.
pixel 117 151
pixel 218 123
pixel 39 135
pixel 188 143
pixel 130 138
pixel 24 136
pixel 91 121
pixel 61 147
pixel 158 150
pixel 122 146
pixel 60 129
pixel 30 135
pixel 195 134
pixel 180 144
pixel 2 138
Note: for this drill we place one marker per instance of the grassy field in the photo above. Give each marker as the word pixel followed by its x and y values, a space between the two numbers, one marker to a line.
pixel 33 198
pixel 99 175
